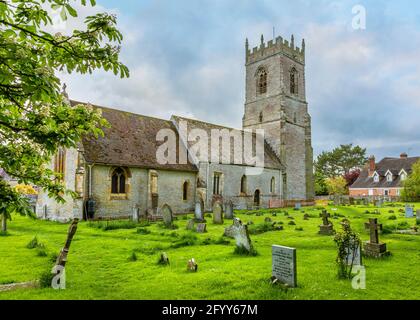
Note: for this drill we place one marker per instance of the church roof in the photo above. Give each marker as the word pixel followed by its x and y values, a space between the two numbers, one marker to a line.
pixel 394 165
pixel 130 141
pixel 271 160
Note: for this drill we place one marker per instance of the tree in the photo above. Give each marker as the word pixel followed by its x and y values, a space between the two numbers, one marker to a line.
pixel 352 176
pixel 411 190
pixel 321 188
pixel 35 118
pixel 341 161
pixel 336 186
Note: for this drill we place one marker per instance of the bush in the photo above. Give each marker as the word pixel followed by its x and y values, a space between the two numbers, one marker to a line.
pixel 292 223
pixel 185 241
pixel 242 251
pixel 45 279
pixel 132 257
pixel 143 231
pixel 34 243
pixel 53 257
pixel 261 228
pixel 41 252
pixel 299 229
pixel 393 217
pixel 113 225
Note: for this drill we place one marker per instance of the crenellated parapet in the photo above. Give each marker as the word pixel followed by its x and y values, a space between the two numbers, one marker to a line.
pixel 272 47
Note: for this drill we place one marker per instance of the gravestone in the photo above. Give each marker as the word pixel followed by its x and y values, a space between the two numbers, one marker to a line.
pixel 298 206
pixel 373 247
pixel 167 215
pixel 268 220
pixel 354 255
pixel 239 232
pixel 199 211
pixel 284 265
pixel 418 217
pixel 217 213
pixel 190 224
pixel 164 259
pixel 409 211
pixel 306 216
pixel 201 228
pixel 229 210
pixel 136 214
pixel 192 265
pixel 327 227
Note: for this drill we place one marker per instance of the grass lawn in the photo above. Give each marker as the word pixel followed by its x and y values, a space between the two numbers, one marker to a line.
pixel 99 267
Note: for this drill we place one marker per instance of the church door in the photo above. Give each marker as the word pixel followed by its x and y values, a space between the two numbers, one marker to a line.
pixel 257 198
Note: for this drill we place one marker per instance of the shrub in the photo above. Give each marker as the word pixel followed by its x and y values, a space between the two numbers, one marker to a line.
pixel 143 231
pixel 344 240
pixel 45 279
pixel 299 229
pixel 41 252
pixel 206 241
pixel 53 257
pixel 292 223
pixel 115 225
pixel 261 228
pixel 34 243
pixel 242 251
pixel 391 211
pixel 132 257
pixel 185 241
pixel 393 217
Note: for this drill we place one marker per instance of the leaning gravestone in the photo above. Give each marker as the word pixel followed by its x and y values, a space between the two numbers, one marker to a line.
pixel 167 215
pixel 217 213
pixel 201 228
pixel 284 265
pixel 239 232
pixel 409 211
pixel 229 210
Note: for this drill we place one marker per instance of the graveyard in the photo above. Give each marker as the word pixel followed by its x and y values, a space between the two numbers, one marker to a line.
pixel 187 259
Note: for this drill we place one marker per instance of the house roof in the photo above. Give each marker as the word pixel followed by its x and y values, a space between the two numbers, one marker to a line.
pixel 394 165
pixel 271 160
pixel 130 141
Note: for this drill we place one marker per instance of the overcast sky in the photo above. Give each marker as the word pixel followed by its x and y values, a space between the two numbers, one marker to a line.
pixel 186 57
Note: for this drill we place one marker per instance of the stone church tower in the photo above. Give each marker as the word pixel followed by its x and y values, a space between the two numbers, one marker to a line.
pixel 276 102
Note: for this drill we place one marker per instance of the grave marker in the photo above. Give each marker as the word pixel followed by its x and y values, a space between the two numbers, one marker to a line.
pixel 284 265
pixel 229 210
pixel 239 232
pixel 409 211
pixel 201 228
pixel 374 248
pixel 327 227
pixel 217 213
pixel 167 215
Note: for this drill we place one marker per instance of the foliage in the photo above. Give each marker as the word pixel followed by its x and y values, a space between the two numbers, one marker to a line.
pixel 113 225
pixel 12 202
pixel 340 161
pixel 45 279
pixel 242 251
pixel 352 176
pixel 337 186
pixel 143 231
pixel 411 190
pixel 34 243
pixel 185 240
pixel 25 189
pixel 320 185
pixel 35 117
pixel 261 228
pixel 346 241
pixel 132 257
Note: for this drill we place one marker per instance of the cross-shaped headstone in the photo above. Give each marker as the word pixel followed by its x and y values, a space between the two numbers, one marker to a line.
pixel 325 215
pixel 373 226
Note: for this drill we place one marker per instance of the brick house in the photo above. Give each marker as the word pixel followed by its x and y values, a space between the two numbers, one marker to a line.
pixel 384 178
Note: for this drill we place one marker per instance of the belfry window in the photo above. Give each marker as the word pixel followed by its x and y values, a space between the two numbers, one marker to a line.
pixel 261 81
pixel 118 181
pixel 243 184
pixel 293 81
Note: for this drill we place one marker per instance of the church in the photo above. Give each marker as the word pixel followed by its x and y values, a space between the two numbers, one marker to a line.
pixel 121 173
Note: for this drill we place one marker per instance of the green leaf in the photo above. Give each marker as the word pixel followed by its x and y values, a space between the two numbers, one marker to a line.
pixel 71 10
pixel 63 15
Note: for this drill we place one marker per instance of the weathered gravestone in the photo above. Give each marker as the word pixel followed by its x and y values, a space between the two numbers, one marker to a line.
pixel 284 265
pixel 239 232
pixel 374 248
pixel 409 211
pixel 201 228
pixel 418 217
pixel 167 215
pixel 354 254
pixel 199 211
pixel 327 227
pixel 190 224
pixel 298 206
pixel 306 216
pixel 217 213
pixel 229 210
pixel 136 215
pixel 164 259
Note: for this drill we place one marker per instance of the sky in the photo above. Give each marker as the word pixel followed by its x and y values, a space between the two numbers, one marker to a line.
pixel 186 57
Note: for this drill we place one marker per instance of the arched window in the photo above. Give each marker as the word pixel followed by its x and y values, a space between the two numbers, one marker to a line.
pixel 118 181
pixel 273 185
pixel 261 80
pixel 243 184
pixel 293 81
pixel 59 163
pixel 185 191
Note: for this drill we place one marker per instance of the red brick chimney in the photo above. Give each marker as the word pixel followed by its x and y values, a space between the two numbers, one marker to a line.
pixel 403 155
pixel 371 165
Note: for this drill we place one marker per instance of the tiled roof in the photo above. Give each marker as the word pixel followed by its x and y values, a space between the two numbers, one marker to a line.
pixel 395 165
pixel 130 141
